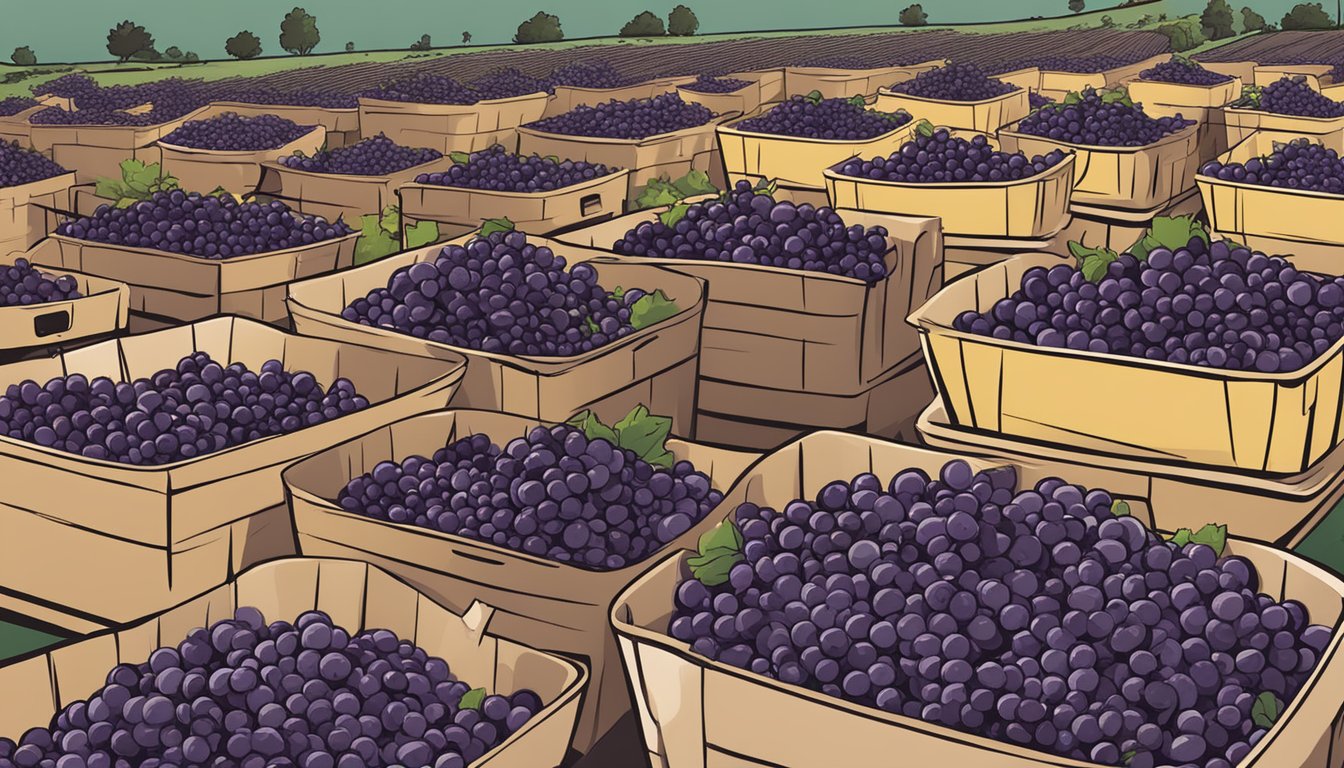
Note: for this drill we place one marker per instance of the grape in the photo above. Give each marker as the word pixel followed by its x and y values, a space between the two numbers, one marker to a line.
pixel 1091 121
pixel 829 119
pixel 205 226
pixel 634 119
pixel 231 133
pixel 171 99
pixel 1035 617
pixel 22 284
pixel 16 104
pixel 554 493
pixel 954 82
pixel 708 84
pixel 503 171
pixel 508 83
pixel 425 88
pixel 19 165
pixel 499 294
pixel 244 692
pixel 1217 306
pixel 1292 96
pixel 195 408
pixel 752 228
pixel 855 62
pixel 589 74
pixel 376 156
pixel 941 158
pixel 1185 72
pixel 323 99
pixel 1074 64
pixel 1036 100
pixel 1297 164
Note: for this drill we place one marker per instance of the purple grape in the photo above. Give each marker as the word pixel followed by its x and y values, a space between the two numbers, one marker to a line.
pixel 508 83
pixel 1292 96
pixel 425 89
pixel 22 284
pixel 709 84
pixel 1092 121
pixel 634 119
pixel 503 171
pixel 1184 72
pixel 1036 100
pixel 376 156
pixel 230 132
pixel 942 158
pixel 954 82
pixel 1073 64
pixel 1297 164
pixel 827 119
pixel 24 166
pixel 589 74
pixel 16 104
pixel 322 99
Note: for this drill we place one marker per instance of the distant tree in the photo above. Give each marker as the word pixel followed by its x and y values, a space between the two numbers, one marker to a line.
pixel 127 39
pixel 542 28
pixel 644 25
pixel 1306 16
pixel 1216 20
pixel 422 44
pixel 1183 34
pixel 148 54
pixel 1252 21
pixel 1077 6
pixel 243 45
pixel 682 22
pixel 350 47
pixel 466 38
pixel 299 33
pixel 914 16
pixel 23 56
pixel 173 53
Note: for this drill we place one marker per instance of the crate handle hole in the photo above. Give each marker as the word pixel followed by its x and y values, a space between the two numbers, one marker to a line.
pixel 590 204
pixel 51 323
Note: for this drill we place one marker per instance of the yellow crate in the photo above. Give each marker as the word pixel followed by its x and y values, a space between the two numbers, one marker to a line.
pixel 1167 99
pixel 986 116
pixel 1241 123
pixel 1259 422
pixel 1299 222
pixel 1242 69
pixel 794 161
pixel 1035 207
pixel 744 100
pixel 1056 84
pixel 1316 75
pixel 848 83
pixel 1028 79
pixel 1125 178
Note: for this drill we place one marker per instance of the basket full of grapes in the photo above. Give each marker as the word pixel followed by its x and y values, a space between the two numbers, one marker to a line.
pixel 973 187
pixel 14 114
pixel 45 308
pixel 338 121
pixel 740 93
pixel 1125 160
pixel 30 185
pixel 434 111
pixel 957 95
pixel 586 506
pixel 549 328
pixel 226 151
pixel 1060 75
pixel 368 661
pixel 590 82
pixel 168 448
pixel 1314 75
pixel 1288 104
pixel 844 77
pixel 1182 85
pixel 964 612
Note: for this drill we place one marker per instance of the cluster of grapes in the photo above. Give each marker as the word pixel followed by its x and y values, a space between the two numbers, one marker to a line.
pixel 1072 64
pixel 231 132
pixel 508 83
pixel 500 170
pixel 1096 122
pixel 941 157
pixel 634 119
pixel 710 84
pixel 206 226
pixel 589 74
pixel 499 294
pixel 425 88
pixel 246 693
pixel 1298 164
pixel 22 284
pixel 1037 618
pixel 66 86
pixel 1215 305
pixel 954 82
pixel 171 99
pixel 196 408
pixel 1036 100
pixel 749 227
pixel 554 493
pixel 376 156
pixel 1183 72
pixel 302 97
pixel 1292 96
pixel 24 166
pixel 16 104
pixel 827 119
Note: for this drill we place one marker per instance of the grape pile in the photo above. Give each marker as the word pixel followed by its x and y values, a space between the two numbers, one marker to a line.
pixel 954 82
pixel 751 228
pixel 634 119
pixel 16 104
pixel 24 166
pixel 22 284
pixel 1072 64
pixel 1298 164
pixel 296 98
pixel 708 84
pixel 205 226
pixel 1209 305
pixel 1292 96
pixel 425 89
pixel 942 157
pixel 179 413
pixel 376 156
pixel 838 62
pixel 171 99
pixel 500 294
pixel 589 74
pixel 1184 72
pixel 242 692
pixel 1036 100
pixel 554 493
pixel 1034 617
pixel 827 119
pixel 508 83
pixel 231 132
pixel 1093 122
pixel 503 171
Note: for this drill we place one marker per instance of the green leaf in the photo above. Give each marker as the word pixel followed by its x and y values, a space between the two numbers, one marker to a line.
pixel 552 158
pixel 1176 231
pixel 127 202
pixel 1126 757
pixel 491 226
pixel 109 188
pixel 651 309
pixel 858 101
pixel 1116 96
pixel 814 97
pixel 766 187
pixel 374 242
pixel 1266 709
pixel 924 128
pixel 695 183
pixel 1211 535
pixel 1092 262
pixel 720 550
pixel 593 428
pixel 656 194
pixel 1072 97
pixel 590 326
pixel 1120 508
pixel 672 215
pixel 459 158
pixel 472 699
pixel 646 435
pixel 618 293
pixel 1181 537
pixel 422 234
pixel 390 221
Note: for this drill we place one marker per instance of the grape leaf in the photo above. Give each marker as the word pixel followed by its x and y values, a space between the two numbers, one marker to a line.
pixel 1214 536
pixel 1092 262
pixel 1266 709
pixel 814 97
pixel 1120 508
pixel 590 326
pixel 422 234
pixel 1116 96
pixel 672 215
pixel 390 221
pixel 656 194
pixel 696 182
pixel 618 293
pixel 651 309
pixel 112 189
pixel 459 158
pixel 491 226
pixel 766 187
pixel 924 128
pixel 593 428
pixel 127 202
pixel 1072 97
pixel 374 242
pixel 858 101
pixel 472 699
pixel 646 435
pixel 720 549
